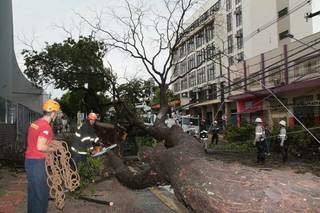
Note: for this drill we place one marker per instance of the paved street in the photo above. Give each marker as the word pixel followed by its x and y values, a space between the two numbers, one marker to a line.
pixel 13 197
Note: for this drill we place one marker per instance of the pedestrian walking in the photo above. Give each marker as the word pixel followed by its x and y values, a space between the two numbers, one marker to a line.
pixel 268 140
pixel 284 145
pixel 259 140
pixel 214 129
pixel 38 146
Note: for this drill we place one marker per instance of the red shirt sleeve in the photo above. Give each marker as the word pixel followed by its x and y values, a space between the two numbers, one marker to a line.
pixel 45 131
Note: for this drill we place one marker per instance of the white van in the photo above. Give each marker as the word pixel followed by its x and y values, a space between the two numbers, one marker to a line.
pixel 191 125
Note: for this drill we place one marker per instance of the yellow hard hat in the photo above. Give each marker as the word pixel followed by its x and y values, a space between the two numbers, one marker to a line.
pixel 50 106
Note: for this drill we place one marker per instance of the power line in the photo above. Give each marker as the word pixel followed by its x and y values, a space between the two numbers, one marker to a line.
pixel 267 25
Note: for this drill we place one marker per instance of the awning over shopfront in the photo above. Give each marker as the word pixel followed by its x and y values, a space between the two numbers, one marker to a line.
pixel 215 101
pixel 174 104
pixel 286 88
pixel 186 107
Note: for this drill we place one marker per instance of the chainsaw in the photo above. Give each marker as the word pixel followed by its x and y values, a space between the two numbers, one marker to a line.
pixel 104 150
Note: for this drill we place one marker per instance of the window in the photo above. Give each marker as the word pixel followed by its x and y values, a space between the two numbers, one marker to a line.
pixel 307 67
pixel 182 51
pixel 176 87
pixel 237 83
pixel 202 95
pixel 302 100
pixel 193 96
pixel 229 22
pixel 199 40
pixel 210 72
pixel 228 5
pixel 283 12
pixel 210 51
pixel 212 92
pixel 191 62
pixel 283 35
pixel 175 55
pixel 201 56
pixel 230 44
pixel 184 83
pixel 275 76
pixel 209 32
pixel 238 13
pixel 253 80
pixel 230 60
pixel 190 45
pixel 192 79
pixel 311 66
pixel 176 70
pixel 239 37
pixel 183 67
pixel 201 75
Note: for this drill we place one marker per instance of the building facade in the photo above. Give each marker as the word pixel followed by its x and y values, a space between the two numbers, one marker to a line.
pixel 223 34
pixel 14 86
pixel 281 84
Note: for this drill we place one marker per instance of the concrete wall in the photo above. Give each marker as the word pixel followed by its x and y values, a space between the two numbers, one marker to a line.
pixel 13 84
pixel 256 14
pixel 259 13
pixel 6 43
pixel 299 27
pixel 275 58
pixel 316 20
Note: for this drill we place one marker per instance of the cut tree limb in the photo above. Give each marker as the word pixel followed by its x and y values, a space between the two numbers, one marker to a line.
pixel 215 186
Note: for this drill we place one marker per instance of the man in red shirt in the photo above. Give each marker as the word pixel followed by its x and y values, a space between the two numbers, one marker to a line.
pixel 39 139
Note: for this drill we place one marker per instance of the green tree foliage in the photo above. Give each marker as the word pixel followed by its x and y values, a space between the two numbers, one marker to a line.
pixel 156 98
pixel 75 66
pixel 131 94
pixel 80 100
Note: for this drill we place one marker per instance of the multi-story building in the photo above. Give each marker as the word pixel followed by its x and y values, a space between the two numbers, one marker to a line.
pixel 224 33
pixel 198 60
pixel 266 23
pixel 283 83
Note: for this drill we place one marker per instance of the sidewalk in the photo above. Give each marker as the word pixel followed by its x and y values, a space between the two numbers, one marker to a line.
pixel 13 197
pixel 12 190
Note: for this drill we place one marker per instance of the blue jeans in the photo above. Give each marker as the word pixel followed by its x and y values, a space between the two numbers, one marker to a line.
pixel 38 191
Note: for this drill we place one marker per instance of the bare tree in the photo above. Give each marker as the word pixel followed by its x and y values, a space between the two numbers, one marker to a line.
pixel 150 37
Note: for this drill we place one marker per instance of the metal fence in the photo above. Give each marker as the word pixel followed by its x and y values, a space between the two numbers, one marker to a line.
pixel 20 116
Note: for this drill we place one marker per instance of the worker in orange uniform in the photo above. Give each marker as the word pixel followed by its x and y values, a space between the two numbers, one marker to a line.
pixel 38 146
pixel 84 139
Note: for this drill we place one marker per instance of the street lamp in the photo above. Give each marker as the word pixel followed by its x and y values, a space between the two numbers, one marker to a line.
pixel 289 35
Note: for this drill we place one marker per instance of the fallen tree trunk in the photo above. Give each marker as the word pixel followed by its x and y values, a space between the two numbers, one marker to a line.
pixel 215 186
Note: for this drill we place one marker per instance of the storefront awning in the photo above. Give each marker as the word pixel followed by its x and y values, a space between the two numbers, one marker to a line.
pixel 280 89
pixel 215 101
pixel 173 103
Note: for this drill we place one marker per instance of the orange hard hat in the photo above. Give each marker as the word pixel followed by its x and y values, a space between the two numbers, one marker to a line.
pixel 51 105
pixel 92 116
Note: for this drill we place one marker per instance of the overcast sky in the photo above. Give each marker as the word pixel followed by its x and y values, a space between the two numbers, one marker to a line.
pixel 36 20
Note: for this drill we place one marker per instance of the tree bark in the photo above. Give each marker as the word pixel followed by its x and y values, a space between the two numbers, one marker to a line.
pixel 215 186
pixel 161 116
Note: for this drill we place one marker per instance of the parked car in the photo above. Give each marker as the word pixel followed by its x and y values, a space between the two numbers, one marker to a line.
pixel 190 124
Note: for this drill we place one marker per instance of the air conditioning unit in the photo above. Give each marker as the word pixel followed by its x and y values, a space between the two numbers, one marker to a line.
pixel 237 11
pixel 238 34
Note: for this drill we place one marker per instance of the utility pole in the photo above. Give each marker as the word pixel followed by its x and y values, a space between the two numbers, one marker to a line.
pixel 221 84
